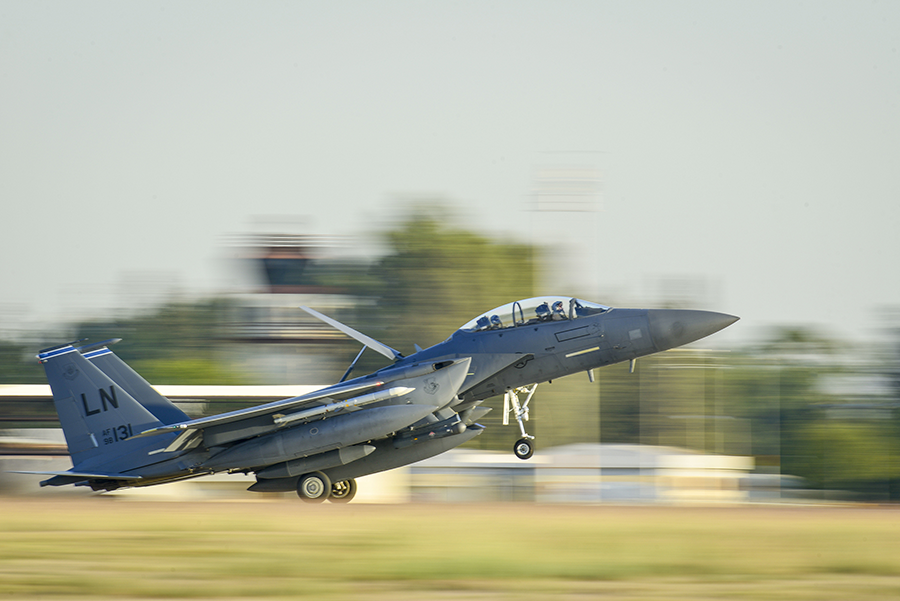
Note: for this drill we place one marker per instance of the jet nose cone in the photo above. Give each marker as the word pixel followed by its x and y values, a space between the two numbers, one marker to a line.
pixel 670 328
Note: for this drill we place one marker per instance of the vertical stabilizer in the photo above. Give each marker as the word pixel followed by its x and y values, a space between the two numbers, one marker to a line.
pixel 135 385
pixel 98 416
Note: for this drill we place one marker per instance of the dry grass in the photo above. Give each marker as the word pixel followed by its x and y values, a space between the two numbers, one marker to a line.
pixel 103 548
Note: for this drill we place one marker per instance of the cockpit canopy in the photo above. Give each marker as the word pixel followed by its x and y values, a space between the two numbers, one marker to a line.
pixel 534 310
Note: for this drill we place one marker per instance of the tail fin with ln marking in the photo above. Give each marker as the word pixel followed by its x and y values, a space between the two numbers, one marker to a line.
pixel 98 415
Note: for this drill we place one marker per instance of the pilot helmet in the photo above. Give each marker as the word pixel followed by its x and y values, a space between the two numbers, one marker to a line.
pixel 558 307
pixel 495 321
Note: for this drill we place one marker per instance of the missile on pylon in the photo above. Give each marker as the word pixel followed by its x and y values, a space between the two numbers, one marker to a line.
pixel 366 399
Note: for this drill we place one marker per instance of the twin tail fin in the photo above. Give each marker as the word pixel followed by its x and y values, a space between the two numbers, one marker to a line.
pixel 99 411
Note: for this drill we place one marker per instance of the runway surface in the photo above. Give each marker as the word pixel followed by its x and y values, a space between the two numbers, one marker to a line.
pixel 113 548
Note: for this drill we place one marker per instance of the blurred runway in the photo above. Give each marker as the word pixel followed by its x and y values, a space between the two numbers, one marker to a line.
pixel 108 548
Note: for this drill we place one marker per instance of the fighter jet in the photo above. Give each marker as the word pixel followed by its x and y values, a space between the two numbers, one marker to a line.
pixel 517 346
pixel 122 433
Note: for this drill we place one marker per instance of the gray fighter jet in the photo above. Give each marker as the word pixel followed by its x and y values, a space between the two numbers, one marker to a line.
pixel 122 433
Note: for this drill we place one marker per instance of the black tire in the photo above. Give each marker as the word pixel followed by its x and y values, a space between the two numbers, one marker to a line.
pixel 523 448
pixel 343 491
pixel 314 487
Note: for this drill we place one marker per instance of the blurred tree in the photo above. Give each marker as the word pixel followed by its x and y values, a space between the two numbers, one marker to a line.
pixel 775 388
pixel 18 364
pixel 176 344
pixel 805 429
pixel 853 455
pixel 436 277
pixel 675 398
pixel 433 279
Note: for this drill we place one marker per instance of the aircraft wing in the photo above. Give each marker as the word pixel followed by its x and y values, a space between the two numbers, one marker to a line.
pixel 488 380
pixel 336 392
pixel 87 475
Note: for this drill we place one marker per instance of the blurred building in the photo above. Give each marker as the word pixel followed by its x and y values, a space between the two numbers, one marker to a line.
pixel 584 473
pixel 567 193
pixel 276 341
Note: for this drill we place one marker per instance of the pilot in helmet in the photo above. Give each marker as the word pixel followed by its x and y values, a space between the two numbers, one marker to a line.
pixel 558 311
pixel 495 321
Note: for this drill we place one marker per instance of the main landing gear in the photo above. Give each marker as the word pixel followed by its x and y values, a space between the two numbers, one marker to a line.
pixel 316 487
pixel 343 491
pixel 524 447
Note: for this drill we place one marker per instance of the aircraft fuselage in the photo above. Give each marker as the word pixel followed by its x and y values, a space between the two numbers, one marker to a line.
pixel 541 350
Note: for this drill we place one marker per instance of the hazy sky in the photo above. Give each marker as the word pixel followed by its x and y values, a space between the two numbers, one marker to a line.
pixel 752 147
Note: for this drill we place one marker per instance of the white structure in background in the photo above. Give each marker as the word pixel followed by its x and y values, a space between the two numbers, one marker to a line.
pixel 630 473
pixel 583 473
pixel 274 340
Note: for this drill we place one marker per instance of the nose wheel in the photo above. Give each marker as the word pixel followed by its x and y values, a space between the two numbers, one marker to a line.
pixel 524 447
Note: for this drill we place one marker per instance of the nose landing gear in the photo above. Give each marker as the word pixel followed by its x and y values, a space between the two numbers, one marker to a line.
pixel 524 447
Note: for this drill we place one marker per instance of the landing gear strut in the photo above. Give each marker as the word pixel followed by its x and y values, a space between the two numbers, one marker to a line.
pixel 523 448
